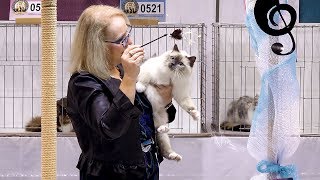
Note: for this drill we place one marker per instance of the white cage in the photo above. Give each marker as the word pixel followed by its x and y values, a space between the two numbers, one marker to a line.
pixel 20 69
pixel 235 73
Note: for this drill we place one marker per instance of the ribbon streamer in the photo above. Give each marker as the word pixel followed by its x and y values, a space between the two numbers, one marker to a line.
pixel 289 171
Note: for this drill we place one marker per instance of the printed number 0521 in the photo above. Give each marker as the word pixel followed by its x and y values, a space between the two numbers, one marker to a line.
pixel 150 8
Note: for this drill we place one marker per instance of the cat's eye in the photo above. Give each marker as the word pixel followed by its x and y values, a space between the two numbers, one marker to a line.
pixel 172 57
pixel 181 64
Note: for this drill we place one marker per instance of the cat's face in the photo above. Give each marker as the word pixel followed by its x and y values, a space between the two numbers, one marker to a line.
pixel 179 61
pixel 247 102
pixel 62 116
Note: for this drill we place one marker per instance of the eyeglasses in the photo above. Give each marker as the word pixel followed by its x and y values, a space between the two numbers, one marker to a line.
pixel 123 40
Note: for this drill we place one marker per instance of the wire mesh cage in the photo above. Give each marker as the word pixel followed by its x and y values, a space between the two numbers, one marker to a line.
pixel 235 74
pixel 20 69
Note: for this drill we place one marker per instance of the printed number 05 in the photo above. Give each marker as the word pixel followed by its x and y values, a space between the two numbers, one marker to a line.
pixel 35 7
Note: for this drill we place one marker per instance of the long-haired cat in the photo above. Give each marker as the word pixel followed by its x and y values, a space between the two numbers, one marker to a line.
pixel 172 67
pixel 63 120
pixel 240 113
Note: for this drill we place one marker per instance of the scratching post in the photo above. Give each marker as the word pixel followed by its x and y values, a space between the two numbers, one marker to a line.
pixel 48 90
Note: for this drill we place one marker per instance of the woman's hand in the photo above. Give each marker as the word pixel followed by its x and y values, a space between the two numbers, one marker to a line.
pixel 131 59
pixel 165 92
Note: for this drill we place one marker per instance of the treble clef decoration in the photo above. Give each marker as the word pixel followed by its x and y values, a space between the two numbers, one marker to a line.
pixel 261 10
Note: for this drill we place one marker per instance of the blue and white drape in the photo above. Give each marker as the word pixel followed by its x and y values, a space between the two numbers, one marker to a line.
pixel 274 134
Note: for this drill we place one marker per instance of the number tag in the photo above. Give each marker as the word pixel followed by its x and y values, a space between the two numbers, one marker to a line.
pixel 151 8
pixel 34 7
pixel 144 9
pixel 25 9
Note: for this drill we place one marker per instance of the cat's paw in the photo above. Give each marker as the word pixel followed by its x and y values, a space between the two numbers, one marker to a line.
pixel 227 125
pixel 175 156
pixel 163 129
pixel 140 87
pixel 195 114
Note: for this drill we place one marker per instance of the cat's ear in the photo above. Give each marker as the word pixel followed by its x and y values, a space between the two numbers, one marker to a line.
pixel 192 59
pixel 62 102
pixel 154 55
pixel 59 102
pixel 175 48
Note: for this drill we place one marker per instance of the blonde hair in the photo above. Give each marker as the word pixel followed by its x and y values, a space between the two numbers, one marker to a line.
pixel 89 52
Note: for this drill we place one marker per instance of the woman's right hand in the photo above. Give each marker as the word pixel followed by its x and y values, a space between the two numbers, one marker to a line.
pixel 131 59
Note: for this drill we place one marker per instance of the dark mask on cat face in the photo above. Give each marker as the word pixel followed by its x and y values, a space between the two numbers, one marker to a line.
pixel 178 61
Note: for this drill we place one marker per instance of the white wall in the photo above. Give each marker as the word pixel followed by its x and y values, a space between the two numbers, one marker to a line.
pixel 191 11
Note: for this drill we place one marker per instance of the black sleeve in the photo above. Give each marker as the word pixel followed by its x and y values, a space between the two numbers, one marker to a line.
pixel 107 114
pixel 171 113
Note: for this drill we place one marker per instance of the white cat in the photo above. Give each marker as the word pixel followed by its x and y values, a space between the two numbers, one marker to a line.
pixel 172 67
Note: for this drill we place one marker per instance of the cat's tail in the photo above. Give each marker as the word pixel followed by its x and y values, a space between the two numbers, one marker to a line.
pixel 34 125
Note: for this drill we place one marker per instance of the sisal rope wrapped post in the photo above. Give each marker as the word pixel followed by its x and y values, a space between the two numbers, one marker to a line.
pixel 48 90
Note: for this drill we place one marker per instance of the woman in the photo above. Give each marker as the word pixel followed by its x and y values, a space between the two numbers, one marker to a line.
pixel 113 123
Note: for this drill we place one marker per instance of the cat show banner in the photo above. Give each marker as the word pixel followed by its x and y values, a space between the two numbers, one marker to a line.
pixel 25 9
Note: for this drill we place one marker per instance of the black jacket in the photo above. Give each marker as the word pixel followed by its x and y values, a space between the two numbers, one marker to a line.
pixel 106 124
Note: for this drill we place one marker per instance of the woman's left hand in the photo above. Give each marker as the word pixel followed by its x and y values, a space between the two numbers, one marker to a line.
pixel 165 92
